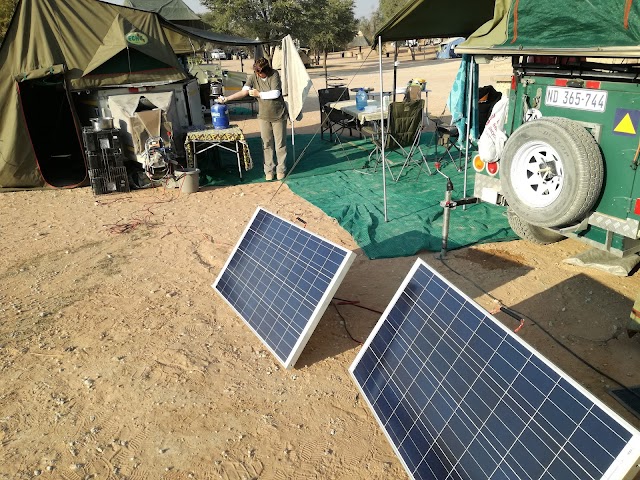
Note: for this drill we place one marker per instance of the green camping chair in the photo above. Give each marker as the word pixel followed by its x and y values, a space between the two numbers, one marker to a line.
pixel 404 127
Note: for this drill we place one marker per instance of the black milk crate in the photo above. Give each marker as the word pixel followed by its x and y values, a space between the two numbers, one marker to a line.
pixel 105 159
pixel 108 180
pixel 101 140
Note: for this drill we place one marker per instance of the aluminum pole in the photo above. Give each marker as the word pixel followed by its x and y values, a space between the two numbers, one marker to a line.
pixel 384 177
pixel 470 87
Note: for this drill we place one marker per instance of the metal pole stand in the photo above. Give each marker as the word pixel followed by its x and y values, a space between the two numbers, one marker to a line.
pixel 449 205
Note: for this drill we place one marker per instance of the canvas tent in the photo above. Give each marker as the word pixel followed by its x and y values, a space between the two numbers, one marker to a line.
pixel 53 52
pixel 176 11
pixel 447 50
pixel 53 49
pixel 549 27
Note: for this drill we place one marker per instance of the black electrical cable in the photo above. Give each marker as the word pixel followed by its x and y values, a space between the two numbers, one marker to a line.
pixel 549 334
pixel 344 323
pixel 356 304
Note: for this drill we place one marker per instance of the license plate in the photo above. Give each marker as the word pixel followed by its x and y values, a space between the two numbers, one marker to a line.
pixel 577 98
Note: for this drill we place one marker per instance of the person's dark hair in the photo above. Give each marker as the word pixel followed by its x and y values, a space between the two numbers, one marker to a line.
pixel 262 66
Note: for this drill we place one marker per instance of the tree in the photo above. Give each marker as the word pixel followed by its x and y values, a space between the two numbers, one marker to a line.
pixel 369 26
pixel 6 12
pixel 387 9
pixel 335 26
pixel 267 20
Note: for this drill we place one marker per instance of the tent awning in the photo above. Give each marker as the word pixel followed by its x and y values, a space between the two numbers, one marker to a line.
pixel 212 37
pixel 430 18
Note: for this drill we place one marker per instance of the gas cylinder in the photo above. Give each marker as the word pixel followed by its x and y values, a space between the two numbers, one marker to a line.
pixel 219 116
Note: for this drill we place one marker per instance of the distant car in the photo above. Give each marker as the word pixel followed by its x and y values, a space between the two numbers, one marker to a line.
pixel 217 54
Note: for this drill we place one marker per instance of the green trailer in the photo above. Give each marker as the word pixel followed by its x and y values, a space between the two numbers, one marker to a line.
pixel 569 165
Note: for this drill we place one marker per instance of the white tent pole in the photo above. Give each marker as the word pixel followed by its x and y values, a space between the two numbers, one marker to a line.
pixel 384 177
pixel 285 71
pixel 470 87
pixel 293 140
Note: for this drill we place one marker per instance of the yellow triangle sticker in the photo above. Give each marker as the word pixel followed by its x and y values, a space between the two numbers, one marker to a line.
pixel 625 126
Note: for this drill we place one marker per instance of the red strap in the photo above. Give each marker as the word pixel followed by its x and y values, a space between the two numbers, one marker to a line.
pixel 515 21
pixel 627 10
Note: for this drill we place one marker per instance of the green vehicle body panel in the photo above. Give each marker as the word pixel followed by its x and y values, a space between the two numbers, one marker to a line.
pixel 619 151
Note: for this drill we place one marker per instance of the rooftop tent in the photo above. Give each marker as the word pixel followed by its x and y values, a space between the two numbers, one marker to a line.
pixel 176 11
pixel 56 47
pixel 431 18
pixel 608 28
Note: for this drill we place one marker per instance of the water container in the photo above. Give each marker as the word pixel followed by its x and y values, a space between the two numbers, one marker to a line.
pixel 361 99
pixel 386 99
pixel 219 116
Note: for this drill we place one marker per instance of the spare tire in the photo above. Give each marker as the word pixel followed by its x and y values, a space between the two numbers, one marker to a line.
pixel 532 233
pixel 552 172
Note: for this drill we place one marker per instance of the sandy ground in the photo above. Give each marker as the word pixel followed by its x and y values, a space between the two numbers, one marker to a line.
pixel 118 360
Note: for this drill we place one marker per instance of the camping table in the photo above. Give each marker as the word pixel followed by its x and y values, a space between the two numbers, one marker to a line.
pixel 371 113
pixel 230 139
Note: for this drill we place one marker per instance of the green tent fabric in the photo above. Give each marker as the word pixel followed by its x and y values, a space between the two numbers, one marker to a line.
pixel 55 47
pixel 175 11
pixel 172 10
pixel 608 28
pixel 431 18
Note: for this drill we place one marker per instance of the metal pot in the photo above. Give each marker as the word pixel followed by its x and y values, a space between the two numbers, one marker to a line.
pixel 102 123
pixel 216 89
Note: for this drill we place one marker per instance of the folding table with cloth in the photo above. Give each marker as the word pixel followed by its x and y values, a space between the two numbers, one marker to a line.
pixel 200 139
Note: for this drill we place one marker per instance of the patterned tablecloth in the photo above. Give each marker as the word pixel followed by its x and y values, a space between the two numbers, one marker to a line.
pixel 208 134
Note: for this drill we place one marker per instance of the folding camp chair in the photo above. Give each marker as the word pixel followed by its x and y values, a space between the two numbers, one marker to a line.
pixel 447 137
pixel 331 120
pixel 402 135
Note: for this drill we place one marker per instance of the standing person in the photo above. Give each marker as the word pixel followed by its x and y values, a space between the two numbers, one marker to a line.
pixel 265 85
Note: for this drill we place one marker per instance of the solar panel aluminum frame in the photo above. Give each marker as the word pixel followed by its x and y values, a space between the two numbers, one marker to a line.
pixel 320 308
pixel 625 467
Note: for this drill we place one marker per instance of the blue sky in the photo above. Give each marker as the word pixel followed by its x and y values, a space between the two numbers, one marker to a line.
pixel 364 8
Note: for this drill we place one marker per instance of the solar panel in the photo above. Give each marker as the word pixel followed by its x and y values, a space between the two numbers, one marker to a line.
pixel 459 396
pixel 280 279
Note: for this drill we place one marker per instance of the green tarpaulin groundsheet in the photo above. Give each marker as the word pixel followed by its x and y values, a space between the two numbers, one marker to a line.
pixel 336 179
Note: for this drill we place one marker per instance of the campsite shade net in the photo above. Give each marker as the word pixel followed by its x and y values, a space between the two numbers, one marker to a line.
pixel 331 177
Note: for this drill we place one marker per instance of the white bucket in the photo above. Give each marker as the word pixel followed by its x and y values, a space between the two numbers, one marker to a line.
pixel 188 179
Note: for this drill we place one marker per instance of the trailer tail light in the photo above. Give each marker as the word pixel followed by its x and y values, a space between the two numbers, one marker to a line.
pixel 561 82
pixel 513 82
pixel 492 168
pixel 592 84
pixel 636 208
pixel 478 163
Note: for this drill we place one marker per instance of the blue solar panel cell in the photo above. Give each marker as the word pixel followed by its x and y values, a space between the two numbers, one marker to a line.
pixel 279 279
pixel 460 396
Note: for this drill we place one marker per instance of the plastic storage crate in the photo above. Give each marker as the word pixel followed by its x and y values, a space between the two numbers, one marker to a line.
pixel 100 140
pixel 108 180
pixel 105 159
